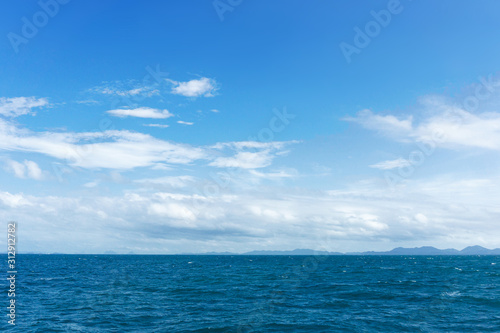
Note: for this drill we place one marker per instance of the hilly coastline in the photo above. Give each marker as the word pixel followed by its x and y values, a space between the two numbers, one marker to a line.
pixel 424 250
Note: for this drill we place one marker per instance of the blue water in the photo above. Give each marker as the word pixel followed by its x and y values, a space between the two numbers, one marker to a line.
pixel 111 293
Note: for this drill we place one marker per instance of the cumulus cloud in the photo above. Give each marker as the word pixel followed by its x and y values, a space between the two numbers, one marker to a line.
pixel 190 220
pixel 18 106
pixel 195 88
pixel 143 112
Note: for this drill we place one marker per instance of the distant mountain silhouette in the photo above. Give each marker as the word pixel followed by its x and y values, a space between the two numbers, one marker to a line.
pixel 415 251
pixel 296 252
pixel 424 251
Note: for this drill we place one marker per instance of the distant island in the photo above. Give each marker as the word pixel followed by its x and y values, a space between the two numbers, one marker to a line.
pixel 415 251
pixel 424 251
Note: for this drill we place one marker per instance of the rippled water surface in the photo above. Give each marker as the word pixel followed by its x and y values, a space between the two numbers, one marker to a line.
pixel 113 293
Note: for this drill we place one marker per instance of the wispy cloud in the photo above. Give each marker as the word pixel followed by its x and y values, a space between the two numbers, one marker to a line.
pixel 156 125
pixel 170 181
pixel 143 112
pixel 113 149
pixel 107 149
pixel 125 89
pixel 18 106
pixel 249 154
pixel 445 124
pixel 246 160
pixel 455 128
pixel 388 124
pixel 195 88
pixel 88 102
pixel 391 164
pixel 26 169
pixel 185 122
pixel 290 173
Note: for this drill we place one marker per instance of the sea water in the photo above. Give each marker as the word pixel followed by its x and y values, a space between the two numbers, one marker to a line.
pixel 193 293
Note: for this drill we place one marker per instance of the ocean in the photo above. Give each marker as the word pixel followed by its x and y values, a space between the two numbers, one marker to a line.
pixel 193 293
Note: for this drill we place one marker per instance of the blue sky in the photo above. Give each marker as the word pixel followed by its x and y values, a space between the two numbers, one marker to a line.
pixel 179 126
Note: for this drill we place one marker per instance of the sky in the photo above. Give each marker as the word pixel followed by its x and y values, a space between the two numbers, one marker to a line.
pixel 166 127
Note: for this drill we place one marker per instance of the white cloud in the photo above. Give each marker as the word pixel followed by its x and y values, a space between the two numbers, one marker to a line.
pixel 457 128
pixel 171 181
pixel 107 149
pixel 185 122
pixel 88 102
pixel 33 170
pixel 444 124
pixel 391 164
pixel 172 210
pixel 18 106
pixel 363 216
pixel 143 112
pixel 13 200
pixel 18 169
pixel 275 175
pixel 156 125
pixel 389 124
pixel 115 149
pixel 246 160
pixel 119 88
pixel 215 111
pixel 27 169
pixel 261 154
pixel 202 87
pixel 240 145
pixel 421 218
